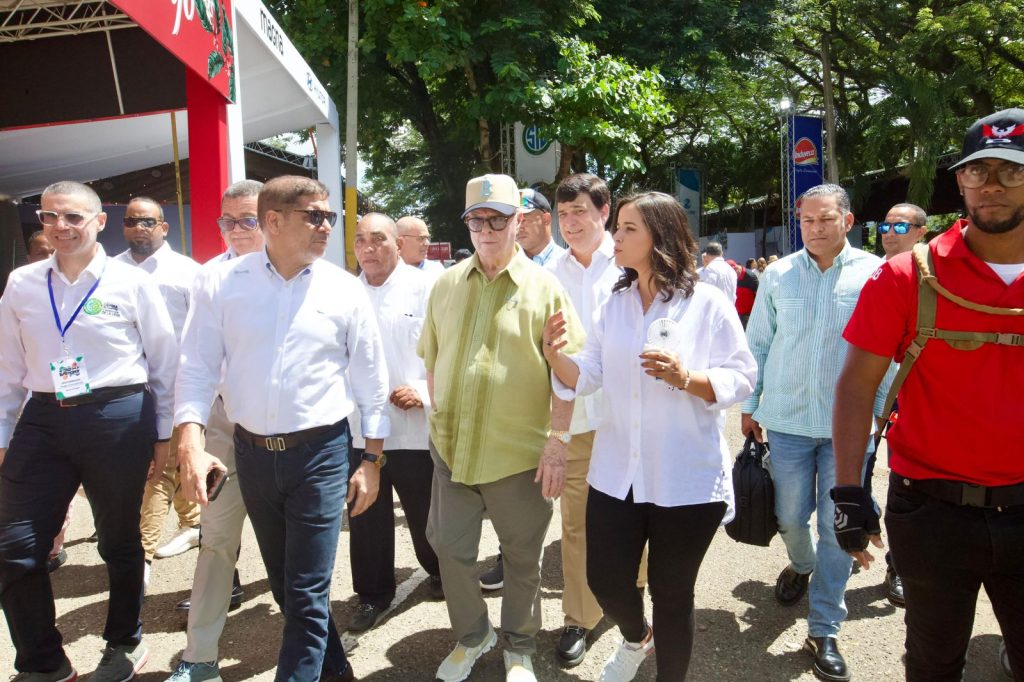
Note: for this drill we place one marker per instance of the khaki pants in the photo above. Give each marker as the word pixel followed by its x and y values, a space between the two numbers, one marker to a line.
pixel 157 499
pixel 520 516
pixel 578 603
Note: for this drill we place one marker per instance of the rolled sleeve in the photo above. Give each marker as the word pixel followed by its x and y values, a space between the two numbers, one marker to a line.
pixel 733 370
pixel 160 345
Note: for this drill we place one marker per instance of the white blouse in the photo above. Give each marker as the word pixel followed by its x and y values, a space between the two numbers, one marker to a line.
pixel 666 444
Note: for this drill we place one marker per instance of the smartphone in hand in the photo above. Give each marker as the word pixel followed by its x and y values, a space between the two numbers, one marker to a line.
pixel 215 481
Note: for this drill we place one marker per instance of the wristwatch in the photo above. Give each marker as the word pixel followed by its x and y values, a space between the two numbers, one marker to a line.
pixel 377 460
pixel 563 436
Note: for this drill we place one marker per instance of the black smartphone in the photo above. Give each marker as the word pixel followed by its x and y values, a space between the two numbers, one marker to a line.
pixel 215 481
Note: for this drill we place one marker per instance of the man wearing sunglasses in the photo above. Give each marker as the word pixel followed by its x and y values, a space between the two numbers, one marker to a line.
pixel 955 509
pixel 904 226
pixel 145 230
pixel 91 338
pixel 497 432
pixel 300 348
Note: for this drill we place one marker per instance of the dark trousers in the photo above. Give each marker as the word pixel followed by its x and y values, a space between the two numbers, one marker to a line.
pixel 677 539
pixel 372 534
pixel 294 499
pixel 107 448
pixel 945 553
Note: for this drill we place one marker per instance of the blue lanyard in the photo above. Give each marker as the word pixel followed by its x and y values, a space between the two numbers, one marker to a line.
pixel 63 329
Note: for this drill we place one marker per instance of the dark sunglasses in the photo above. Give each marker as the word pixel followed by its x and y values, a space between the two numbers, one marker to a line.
pixel 228 224
pixel 316 217
pixel 898 228
pixel 145 223
pixel 496 223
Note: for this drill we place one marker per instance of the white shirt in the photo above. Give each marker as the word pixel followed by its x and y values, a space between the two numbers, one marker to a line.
pixel 588 287
pixel 400 304
pixel 718 274
pixel 289 348
pixel 432 268
pixel 128 340
pixel 174 275
pixel 667 445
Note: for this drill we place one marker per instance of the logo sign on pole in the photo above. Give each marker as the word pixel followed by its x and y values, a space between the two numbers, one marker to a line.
pixel 688 192
pixel 197 32
pixel 805 167
pixel 536 155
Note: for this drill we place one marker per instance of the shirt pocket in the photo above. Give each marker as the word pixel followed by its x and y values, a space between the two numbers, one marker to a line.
pixel 793 316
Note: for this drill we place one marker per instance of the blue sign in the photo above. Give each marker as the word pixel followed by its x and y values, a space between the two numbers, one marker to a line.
pixel 805 166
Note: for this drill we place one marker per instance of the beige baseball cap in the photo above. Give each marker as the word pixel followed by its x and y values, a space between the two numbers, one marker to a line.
pixel 498 192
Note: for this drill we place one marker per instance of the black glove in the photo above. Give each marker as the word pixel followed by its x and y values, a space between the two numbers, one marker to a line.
pixel 855 518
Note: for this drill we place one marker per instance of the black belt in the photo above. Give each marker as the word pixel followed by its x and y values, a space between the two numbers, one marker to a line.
pixel 99 395
pixel 283 441
pixel 964 494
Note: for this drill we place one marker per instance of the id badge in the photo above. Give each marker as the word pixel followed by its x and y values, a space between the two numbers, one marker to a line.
pixel 70 377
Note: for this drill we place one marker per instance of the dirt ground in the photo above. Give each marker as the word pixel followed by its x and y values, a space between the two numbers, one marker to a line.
pixel 742 633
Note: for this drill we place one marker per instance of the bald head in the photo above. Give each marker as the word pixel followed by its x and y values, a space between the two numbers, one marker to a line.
pixel 376 247
pixel 413 239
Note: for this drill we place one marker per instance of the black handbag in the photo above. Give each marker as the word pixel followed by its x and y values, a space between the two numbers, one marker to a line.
pixel 754 523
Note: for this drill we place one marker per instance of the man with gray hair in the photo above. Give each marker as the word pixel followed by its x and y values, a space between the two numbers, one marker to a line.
pixel 717 272
pixel 802 306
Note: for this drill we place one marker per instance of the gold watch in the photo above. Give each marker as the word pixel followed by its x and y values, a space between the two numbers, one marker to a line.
pixel 563 436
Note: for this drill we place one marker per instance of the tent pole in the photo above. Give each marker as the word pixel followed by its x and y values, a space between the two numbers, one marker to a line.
pixel 177 181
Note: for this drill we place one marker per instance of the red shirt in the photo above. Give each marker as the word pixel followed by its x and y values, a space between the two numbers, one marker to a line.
pixel 960 411
pixel 746 291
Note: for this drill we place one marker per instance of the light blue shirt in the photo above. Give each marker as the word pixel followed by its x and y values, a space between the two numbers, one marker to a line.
pixel 549 252
pixel 796 335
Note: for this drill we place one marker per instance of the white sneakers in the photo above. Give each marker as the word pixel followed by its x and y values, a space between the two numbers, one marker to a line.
pixel 622 665
pixel 184 540
pixel 518 668
pixel 459 663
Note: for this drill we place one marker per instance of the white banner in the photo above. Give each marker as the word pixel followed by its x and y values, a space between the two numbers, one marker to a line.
pixel 536 155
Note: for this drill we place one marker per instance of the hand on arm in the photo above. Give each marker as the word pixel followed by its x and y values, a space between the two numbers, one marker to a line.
pixel 194 463
pixel 553 339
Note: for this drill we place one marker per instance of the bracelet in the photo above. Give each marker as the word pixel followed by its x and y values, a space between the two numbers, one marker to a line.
pixel 686 381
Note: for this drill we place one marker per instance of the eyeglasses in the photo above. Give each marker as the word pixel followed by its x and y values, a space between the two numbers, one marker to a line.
pixel 228 224
pixel 316 217
pixel 421 238
pixel 71 218
pixel 898 228
pixel 144 223
pixel 974 175
pixel 496 223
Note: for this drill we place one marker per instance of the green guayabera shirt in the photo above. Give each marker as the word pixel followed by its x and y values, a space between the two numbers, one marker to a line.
pixel 492 387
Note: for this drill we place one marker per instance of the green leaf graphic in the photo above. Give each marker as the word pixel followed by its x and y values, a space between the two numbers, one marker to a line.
pixel 203 18
pixel 214 64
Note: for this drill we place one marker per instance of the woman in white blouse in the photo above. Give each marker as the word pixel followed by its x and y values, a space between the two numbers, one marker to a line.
pixel 660 473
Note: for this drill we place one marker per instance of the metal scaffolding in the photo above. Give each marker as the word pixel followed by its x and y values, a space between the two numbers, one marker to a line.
pixel 34 19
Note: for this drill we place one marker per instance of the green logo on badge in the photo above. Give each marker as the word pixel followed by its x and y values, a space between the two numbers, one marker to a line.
pixel 93 306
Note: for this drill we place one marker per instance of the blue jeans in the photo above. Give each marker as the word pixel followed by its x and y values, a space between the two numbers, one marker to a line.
pixel 804 471
pixel 294 499
pixel 107 447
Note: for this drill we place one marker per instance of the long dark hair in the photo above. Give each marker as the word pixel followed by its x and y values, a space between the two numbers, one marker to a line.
pixel 672 258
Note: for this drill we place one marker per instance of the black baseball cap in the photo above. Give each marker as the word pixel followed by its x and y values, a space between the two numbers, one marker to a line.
pixel 998 136
pixel 532 200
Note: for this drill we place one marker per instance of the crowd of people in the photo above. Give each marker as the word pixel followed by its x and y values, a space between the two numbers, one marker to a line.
pixel 270 384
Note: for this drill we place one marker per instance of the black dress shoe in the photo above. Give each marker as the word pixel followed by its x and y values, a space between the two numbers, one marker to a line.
pixel 436 587
pixel 236 600
pixel 366 617
pixel 791 586
pixel 56 561
pixel 572 646
pixel 828 662
pixel 348 676
pixel 895 588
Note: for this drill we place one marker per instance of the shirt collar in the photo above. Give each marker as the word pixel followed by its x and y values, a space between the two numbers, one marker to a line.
pixel 842 258
pixel 606 249
pixel 518 268
pixel 951 244
pixel 545 253
pixel 271 271
pixel 395 275
pixel 94 268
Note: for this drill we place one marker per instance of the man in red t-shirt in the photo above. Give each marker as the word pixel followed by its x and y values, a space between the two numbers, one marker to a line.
pixel 955 510
pixel 746 290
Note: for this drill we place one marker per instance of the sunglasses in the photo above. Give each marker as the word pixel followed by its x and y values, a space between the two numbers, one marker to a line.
pixel 71 219
pixel 974 175
pixel 316 217
pixel 898 228
pixel 228 224
pixel 145 223
pixel 496 223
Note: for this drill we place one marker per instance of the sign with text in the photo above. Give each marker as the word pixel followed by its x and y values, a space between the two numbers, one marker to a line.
pixel 536 155
pixel 441 251
pixel 197 32
pixel 805 165
pixel 688 192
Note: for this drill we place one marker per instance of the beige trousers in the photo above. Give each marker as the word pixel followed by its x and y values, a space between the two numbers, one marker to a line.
pixel 157 499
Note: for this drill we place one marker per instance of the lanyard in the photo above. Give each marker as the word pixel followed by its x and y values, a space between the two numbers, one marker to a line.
pixel 63 329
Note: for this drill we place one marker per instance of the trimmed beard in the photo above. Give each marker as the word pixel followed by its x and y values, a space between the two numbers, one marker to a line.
pixel 142 248
pixel 999 227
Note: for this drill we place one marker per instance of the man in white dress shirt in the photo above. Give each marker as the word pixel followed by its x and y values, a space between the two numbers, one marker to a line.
pixel 413 240
pixel 145 230
pixel 216 586
pixel 399 295
pixel 300 348
pixel 717 272
pixel 85 334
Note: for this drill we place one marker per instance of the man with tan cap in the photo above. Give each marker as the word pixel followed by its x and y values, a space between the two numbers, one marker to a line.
pixel 497 447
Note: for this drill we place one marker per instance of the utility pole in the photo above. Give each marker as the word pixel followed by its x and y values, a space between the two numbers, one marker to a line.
pixel 832 169
pixel 351 153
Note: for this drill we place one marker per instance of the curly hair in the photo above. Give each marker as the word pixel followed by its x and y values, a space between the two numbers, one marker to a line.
pixel 673 264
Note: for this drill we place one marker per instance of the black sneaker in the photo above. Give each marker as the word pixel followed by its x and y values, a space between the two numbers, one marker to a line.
pixel 366 617
pixel 791 586
pixel 435 587
pixel 829 664
pixel 572 646
pixel 894 587
pixel 56 561
pixel 494 579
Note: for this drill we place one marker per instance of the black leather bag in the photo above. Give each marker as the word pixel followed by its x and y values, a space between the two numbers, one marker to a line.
pixel 754 490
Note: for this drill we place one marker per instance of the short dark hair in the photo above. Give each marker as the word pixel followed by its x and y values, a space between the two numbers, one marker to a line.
pixel 920 217
pixel 159 208
pixel 751 263
pixel 713 249
pixel 672 261
pixel 828 189
pixel 285 191
pixel 580 183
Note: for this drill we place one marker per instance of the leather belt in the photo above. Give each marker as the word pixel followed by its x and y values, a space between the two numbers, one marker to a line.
pixel 99 395
pixel 283 441
pixel 964 494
